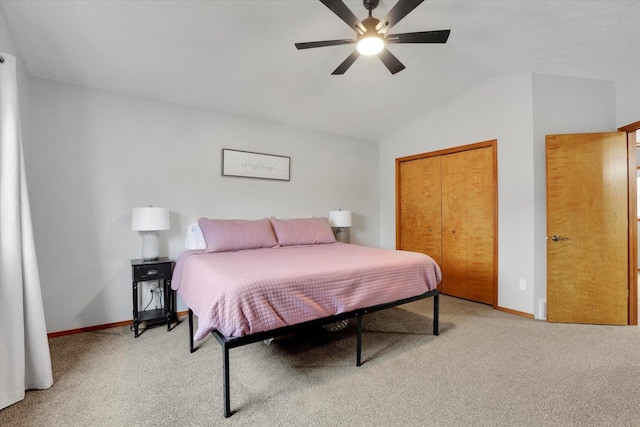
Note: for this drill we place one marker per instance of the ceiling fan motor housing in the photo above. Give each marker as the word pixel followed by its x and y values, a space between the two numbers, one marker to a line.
pixel 370 4
pixel 370 25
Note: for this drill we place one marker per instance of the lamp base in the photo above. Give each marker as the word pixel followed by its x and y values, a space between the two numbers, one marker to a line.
pixel 343 235
pixel 150 245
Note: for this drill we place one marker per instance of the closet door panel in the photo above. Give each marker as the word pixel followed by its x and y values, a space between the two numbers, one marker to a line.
pixel 468 204
pixel 454 239
pixel 480 227
pixel 419 216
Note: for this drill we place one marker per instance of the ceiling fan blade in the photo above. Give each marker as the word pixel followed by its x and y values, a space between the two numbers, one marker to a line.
pixel 399 11
pixel 342 68
pixel 309 45
pixel 339 8
pixel 439 36
pixel 391 62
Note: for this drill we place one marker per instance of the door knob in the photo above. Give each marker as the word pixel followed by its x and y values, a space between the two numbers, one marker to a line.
pixel 557 238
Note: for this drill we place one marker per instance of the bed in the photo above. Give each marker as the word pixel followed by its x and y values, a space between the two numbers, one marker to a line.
pixel 249 281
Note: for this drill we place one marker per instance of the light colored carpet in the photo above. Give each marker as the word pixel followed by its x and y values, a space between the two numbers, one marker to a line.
pixel 486 368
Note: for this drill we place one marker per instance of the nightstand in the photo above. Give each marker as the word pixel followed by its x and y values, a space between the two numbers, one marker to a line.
pixel 159 269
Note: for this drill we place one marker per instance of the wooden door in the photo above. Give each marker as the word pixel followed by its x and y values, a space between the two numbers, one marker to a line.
pixel 587 228
pixel 419 216
pixel 468 224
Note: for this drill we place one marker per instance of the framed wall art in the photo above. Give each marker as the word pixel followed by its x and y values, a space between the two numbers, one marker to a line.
pixel 255 165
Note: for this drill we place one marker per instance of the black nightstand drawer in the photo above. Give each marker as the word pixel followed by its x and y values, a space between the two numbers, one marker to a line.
pixel 152 272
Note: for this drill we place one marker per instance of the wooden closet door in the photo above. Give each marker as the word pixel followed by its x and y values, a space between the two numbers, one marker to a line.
pixel 468 235
pixel 419 210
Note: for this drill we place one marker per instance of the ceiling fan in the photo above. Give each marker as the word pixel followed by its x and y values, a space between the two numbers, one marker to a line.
pixel 371 33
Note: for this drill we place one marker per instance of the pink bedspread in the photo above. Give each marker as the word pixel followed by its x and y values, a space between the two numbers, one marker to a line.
pixel 244 292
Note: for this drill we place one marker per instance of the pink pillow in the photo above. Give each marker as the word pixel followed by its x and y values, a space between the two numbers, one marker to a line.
pixel 302 231
pixel 224 235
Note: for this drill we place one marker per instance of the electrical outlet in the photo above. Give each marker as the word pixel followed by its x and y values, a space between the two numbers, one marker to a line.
pixel 523 284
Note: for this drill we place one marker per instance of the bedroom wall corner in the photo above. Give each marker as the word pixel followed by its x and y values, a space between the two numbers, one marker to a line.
pixel 518 110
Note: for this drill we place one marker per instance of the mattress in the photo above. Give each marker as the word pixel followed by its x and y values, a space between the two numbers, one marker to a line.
pixel 244 292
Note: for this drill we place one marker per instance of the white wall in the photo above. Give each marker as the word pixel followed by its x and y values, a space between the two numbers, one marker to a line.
pixel 499 108
pixel 628 100
pixel 95 155
pixel 562 105
pixel 503 108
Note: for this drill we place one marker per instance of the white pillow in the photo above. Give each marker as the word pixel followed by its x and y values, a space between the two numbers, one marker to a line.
pixel 194 238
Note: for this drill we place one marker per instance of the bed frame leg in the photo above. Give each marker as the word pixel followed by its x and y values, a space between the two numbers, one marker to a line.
pixel 436 315
pixel 226 392
pixel 191 349
pixel 359 341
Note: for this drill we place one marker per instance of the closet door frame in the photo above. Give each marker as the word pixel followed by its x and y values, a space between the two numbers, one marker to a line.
pixel 493 144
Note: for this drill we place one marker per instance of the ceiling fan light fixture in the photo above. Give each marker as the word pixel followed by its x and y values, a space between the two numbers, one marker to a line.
pixel 371 45
pixel 372 34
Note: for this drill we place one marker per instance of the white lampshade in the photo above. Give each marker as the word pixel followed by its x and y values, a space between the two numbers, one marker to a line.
pixel 150 219
pixel 340 218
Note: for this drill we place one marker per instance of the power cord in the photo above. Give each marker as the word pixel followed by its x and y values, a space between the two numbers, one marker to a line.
pixel 150 301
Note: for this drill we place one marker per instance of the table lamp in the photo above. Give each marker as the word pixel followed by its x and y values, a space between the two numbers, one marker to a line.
pixel 149 221
pixel 341 221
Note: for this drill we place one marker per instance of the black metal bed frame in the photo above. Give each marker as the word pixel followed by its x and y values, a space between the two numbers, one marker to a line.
pixel 229 343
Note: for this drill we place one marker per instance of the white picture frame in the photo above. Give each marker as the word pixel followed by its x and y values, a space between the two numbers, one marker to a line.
pixel 248 164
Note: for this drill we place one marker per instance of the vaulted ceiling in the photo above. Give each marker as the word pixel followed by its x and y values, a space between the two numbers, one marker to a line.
pixel 239 57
